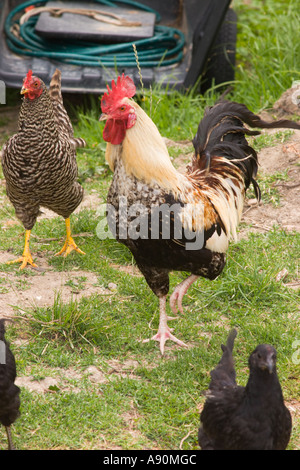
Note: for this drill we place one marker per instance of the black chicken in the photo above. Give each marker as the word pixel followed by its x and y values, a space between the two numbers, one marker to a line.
pixel 9 392
pixel 253 417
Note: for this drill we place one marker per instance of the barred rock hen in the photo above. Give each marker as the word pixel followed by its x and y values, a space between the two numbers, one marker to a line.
pixel 9 392
pixel 185 221
pixel 253 417
pixel 39 162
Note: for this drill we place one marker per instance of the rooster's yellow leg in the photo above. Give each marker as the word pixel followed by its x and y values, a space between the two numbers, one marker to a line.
pixel 26 257
pixel 164 332
pixel 69 245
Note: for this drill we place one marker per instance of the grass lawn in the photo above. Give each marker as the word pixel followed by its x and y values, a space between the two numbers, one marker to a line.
pixel 88 379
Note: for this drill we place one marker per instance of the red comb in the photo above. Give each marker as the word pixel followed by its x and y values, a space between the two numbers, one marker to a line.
pixel 28 76
pixel 125 88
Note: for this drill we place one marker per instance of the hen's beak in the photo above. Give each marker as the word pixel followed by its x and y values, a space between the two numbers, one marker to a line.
pixel 268 365
pixel 103 117
pixel 24 90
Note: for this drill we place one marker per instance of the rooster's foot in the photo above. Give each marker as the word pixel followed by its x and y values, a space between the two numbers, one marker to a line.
pixel 179 292
pixel 164 332
pixel 162 336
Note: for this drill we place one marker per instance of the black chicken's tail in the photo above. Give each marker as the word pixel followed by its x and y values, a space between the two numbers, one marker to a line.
pixel 221 132
pixel 224 373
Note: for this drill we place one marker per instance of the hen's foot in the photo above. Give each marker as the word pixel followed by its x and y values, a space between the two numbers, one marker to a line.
pixel 26 257
pixel 69 245
pixel 24 260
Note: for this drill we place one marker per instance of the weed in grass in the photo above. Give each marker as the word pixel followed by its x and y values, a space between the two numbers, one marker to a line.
pixel 268 185
pixel 77 284
pixel 69 322
pixel 269 140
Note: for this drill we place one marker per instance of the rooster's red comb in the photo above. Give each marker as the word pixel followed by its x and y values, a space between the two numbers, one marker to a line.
pixel 125 88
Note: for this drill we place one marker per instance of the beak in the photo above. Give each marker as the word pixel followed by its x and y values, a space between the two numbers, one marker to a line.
pixel 23 91
pixel 270 365
pixel 103 117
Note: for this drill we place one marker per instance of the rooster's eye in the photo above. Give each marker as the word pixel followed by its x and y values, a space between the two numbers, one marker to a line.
pixel 122 108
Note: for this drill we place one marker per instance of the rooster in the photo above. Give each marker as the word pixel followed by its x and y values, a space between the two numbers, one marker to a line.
pixel 205 204
pixel 253 417
pixel 39 162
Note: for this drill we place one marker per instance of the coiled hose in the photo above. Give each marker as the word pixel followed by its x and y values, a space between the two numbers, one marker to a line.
pixel 165 47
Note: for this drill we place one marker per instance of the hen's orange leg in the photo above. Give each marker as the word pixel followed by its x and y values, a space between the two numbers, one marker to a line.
pixel 179 292
pixel 26 257
pixel 69 245
pixel 164 332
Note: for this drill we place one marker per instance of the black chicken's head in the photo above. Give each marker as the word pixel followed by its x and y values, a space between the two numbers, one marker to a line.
pixel 263 358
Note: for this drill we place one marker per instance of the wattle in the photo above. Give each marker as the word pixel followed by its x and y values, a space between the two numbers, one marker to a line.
pixel 33 94
pixel 114 131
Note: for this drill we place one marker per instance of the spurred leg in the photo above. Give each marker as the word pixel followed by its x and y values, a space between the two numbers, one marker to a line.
pixel 164 332
pixel 69 244
pixel 179 292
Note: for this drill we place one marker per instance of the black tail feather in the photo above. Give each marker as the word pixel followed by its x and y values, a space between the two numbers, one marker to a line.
pixel 221 132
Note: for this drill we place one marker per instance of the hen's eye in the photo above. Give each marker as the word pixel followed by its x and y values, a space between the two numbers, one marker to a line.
pixel 122 108
pixel 35 84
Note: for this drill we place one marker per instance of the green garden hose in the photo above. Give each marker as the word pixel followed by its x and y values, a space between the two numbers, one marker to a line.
pixel 165 47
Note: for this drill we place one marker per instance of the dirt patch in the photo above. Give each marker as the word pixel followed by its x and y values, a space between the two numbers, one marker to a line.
pixel 41 289
pixel 65 379
pixel 280 158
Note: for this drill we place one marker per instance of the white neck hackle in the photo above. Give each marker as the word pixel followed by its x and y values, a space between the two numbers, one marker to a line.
pixel 144 153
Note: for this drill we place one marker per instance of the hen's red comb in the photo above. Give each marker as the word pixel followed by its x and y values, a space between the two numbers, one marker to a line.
pixel 28 77
pixel 125 88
